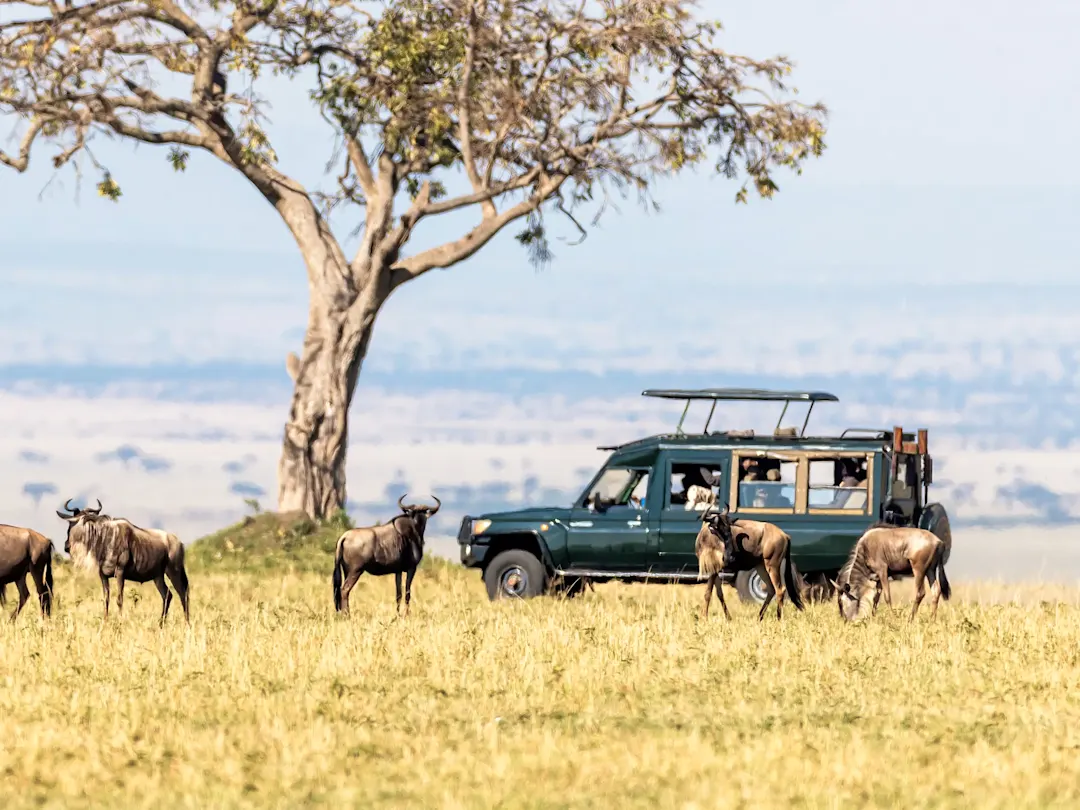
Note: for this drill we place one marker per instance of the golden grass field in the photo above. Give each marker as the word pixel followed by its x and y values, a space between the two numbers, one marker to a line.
pixel 622 698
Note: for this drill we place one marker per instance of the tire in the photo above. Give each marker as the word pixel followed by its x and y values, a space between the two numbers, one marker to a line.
pixel 515 574
pixel 751 586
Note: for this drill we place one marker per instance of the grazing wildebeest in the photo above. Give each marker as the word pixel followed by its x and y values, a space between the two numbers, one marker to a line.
pixel 715 550
pixel 116 547
pixel 884 548
pixel 396 547
pixel 21 551
pixel 755 543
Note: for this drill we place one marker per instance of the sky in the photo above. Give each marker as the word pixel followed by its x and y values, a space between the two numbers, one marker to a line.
pixel 924 268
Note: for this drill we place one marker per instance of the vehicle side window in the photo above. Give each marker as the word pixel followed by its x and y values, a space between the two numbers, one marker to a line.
pixel 685 475
pixel 838 483
pixel 767 483
pixel 619 487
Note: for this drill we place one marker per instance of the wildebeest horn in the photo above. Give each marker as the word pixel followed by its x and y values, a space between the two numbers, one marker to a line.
pixel 95 511
pixel 401 501
pixel 438 505
pixel 67 505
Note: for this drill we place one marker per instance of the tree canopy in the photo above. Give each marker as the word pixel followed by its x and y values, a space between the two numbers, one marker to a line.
pixel 531 100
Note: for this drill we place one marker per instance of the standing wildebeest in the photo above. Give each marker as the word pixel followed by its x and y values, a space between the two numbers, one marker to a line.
pixel 715 550
pixel 901 550
pixel 394 548
pixel 21 551
pixel 116 547
pixel 754 543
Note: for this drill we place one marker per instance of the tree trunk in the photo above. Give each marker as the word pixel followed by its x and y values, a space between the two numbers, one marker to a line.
pixel 311 473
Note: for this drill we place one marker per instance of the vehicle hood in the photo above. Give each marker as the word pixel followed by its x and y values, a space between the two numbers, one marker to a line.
pixel 536 514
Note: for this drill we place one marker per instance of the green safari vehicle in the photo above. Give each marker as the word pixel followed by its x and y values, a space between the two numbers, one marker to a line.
pixel 633 523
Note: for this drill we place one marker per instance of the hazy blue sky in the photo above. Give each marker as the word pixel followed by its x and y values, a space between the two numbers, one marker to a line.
pixel 949 145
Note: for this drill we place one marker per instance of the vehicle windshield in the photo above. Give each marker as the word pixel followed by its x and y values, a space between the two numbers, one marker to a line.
pixel 619 486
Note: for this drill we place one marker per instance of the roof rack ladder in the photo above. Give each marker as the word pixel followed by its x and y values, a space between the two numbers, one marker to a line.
pixel 678 427
pixel 806 421
pixel 705 432
pixel 780 421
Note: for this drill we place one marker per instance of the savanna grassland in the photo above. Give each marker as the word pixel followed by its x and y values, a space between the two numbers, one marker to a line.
pixel 622 698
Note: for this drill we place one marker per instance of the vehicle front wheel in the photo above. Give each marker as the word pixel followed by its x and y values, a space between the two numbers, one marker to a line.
pixel 515 574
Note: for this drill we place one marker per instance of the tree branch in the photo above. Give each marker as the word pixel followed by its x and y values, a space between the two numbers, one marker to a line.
pixel 22 161
pixel 464 97
pixel 457 251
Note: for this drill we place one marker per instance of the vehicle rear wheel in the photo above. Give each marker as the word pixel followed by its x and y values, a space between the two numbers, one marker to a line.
pixel 515 574
pixel 751 585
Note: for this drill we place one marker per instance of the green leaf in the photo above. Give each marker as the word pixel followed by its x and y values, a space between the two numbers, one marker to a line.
pixel 109 189
pixel 178 158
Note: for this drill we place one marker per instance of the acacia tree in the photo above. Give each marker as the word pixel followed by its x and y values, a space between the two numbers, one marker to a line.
pixel 516 109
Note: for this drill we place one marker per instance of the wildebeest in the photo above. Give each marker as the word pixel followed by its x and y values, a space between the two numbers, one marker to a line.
pixel 884 548
pixel 715 550
pixel 116 547
pixel 22 551
pixel 755 543
pixel 396 547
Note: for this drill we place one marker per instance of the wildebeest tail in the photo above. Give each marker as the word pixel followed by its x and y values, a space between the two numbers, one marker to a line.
pixel 337 574
pixel 943 581
pixel 47 595
pixel 790 585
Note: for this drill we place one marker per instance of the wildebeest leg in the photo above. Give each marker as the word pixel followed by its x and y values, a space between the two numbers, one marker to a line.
pixel 408 588
pixel 166 597
pixel 24 594
pixel 397 592
pixel 178 577
pixel 346 589
pixel 120 593
pixel 717 585
pixel 772 592
pixel 105 590
pixel 778 585
pixel 883 583
pixel 877 598
pixel 708 595
pixel 920 587
pixel 935 590
pixel 43 591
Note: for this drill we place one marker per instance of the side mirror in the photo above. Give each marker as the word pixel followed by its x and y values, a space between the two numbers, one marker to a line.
pixel 928 470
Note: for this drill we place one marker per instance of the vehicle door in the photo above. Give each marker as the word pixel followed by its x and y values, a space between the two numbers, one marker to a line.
pixel 841 498
pixel 609 526
pixel 678 525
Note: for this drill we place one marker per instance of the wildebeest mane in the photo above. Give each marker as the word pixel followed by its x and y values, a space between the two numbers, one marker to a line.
pixel 855 572
pixel 98 534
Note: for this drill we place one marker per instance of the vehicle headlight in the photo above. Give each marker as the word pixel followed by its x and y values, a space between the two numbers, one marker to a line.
pixel 480 526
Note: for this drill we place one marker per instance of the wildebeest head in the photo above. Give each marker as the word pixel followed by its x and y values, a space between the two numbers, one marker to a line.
pixel 418 512
pixel 719 524
pixel 849 601
pixel 77 521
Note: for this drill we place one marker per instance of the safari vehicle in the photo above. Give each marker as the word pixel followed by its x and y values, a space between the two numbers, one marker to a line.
pixel 631 523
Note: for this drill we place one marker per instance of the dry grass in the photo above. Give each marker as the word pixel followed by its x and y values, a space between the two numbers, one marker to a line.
pixel 620 699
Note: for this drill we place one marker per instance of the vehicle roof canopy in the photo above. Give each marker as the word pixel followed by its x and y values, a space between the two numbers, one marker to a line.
pixel 739 395
pixel 850 439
